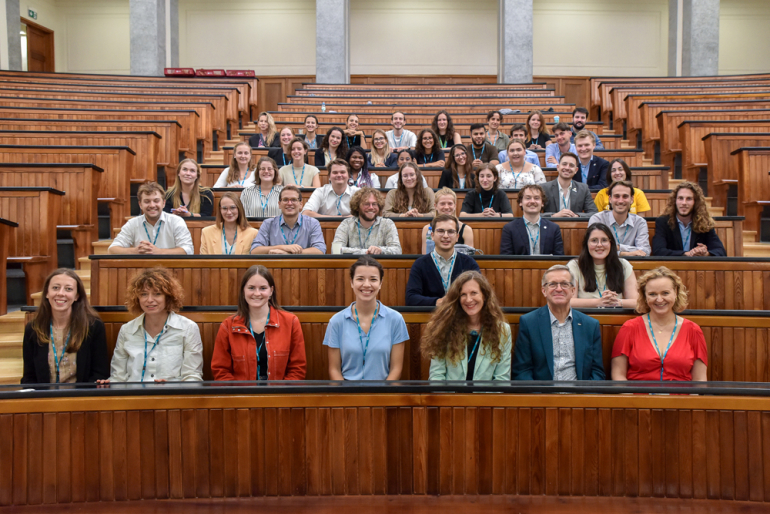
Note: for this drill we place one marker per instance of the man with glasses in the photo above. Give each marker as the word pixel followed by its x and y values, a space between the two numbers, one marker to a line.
pixel 555 342
pixel 290 232
pixel 333 199
pixel 366 232
pixel 565 198
pixel 432 274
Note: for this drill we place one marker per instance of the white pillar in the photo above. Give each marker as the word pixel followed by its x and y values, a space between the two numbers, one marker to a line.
pixel 700 37
pixel 10 38
pixel 152 32
pixel 332 36
pixel 515 54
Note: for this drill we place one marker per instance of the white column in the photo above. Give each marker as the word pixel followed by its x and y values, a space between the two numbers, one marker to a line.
pixel 10 38
pixel 147 21
pixel 332 36
pixel 515 54
pixel 700 37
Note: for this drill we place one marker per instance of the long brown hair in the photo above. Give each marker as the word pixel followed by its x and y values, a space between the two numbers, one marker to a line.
pixel 702 221
pixel 451 164
pixel 80 319
pixel 235 169
pixel 401 200
pixel 241 221
pixel 447 331
pixel 175 193
pixel 243 306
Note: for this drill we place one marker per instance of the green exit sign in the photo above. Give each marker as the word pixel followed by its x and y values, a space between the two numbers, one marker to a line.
pixel 32 14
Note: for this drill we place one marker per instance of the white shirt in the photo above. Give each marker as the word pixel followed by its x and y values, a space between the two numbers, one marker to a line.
pixel 222 180
pixel 406 140
pixel 178 355
pixel 392 182
pixel 324 201
pixel 173 233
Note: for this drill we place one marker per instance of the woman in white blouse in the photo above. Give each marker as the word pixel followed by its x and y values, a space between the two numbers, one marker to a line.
pixel 159 345
pixel 240 173
pixel 517 173
pixel 261 199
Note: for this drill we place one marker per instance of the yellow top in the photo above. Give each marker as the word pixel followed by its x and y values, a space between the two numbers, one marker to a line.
pixel 602 201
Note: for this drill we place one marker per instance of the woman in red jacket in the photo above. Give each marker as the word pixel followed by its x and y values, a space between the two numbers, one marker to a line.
pixel 261 341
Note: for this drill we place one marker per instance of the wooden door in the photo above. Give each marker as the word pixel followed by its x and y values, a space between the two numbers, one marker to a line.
pixel 40 56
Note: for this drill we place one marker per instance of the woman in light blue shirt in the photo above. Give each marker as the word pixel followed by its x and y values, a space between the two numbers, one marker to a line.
pixel 366 340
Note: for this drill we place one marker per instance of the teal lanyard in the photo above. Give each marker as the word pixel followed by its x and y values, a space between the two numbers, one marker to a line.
pixel 229 248
pixel 481 201
pixel 294 174
pixel 493 143
pixel 535 240
pixel 475 346
pixel 146 353
pixel 625 233
pixel 259 348
pixel 157 232
pixel 365 347
pixel 445 281
pixel 267 198
pixel 425 158
pixel 473 149
pixel 516 177
pixel 286 163
pixel 311 144
pixel 298 227
pixel 398 145
pixel 565 200
pixel 56 360
pixel 365 243
pixel 339 203
pixel 241 182
pixel 348 140
pixel 686 242
pixel 443 142
pixel 671 340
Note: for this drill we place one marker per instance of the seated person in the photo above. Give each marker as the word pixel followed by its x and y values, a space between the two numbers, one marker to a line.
pixel 399 138
pixel 579 118
pixel 531 234
pixel 495 136
pixel 519 132
pixel 240 173
pixel 562 133
pixel 630 231
pixel 267 133
pixel 380 155
pixel 282 154
pixel 571 349
pixel 154 232
pixel 603 278
pixel 297 172
pixel 619 170
pixel 332 199
pixel 261 199
pixel 406 155
pixel 159 345
pixel 353 135
pixel 332 148
pixel 487 200
pixel 411 198
pixel 538 136
pixel 261 341
pixel 360 176
pixel 593 169
pixel 459 171
pixel 231 234
pixel 312 138
pixel 659 345
pixel 427 151
pixel 432 274
pixel 482 152
pixel 291 232
pixel 459 341
pixel 565 198
pixel 687 228
pixel 445 130
pixel 366 232
pixel 517 172
pixel 445 201
pixel 187 197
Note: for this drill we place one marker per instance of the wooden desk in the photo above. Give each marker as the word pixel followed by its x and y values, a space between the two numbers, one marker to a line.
pixel 6 235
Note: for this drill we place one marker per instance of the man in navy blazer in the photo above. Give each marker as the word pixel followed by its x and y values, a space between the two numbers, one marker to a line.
pixel 432 274
pixel 531 234
pixel 556 342
pixel 593 169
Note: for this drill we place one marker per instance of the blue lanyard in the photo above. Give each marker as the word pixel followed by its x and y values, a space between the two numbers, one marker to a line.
pixel 625 233
pixel 535 240
pixel 259 348
pixel 157 231
pixel 63 351
pixel 311 144
pixel 686 242
pixel 354 137
pixel 241 182
pixel 475 346
pixel 425 158
pixel 299 226
pixel 473 149
pixel 339 203
pixel 515 175
pixel 361 332
pixel 398 145
pixel 495 141
pixel 662 357
pixel 286 163
pixel 146 353
pixel 294 174
pixel 481 201
pixel 267 198
pixel 445 281
pixel 365 244
pixel 565 200
pixel 229 251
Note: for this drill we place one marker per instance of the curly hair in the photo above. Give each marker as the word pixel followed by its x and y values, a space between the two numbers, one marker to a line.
pixel 450 128
pixel 680 303
pixel 447 331
pixel 361 195
pixel 436 152
pixel 342 149
pixel 702 221
pixel 401 201
pixel 155 279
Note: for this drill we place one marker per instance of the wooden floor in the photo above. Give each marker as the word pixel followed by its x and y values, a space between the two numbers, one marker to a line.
pixel 406 505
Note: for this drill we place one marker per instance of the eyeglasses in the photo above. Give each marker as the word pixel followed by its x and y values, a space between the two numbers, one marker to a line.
pixel 376 139
pixel 370 204
pixel 290 200
pixel 229 209
pixel 441 232
pixel 559 285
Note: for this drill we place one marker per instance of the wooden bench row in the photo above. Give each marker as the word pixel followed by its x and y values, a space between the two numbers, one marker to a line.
pixel 522 104
pixel 6 235
pixel 753 184
pixel 417 119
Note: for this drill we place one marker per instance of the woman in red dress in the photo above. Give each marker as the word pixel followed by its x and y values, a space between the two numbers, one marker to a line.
pixel 659 345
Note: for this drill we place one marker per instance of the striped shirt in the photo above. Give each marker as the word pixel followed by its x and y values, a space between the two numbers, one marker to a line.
pixel 258 205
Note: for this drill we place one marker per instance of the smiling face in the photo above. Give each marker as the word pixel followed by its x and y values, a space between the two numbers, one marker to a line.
pixel 409 177
pixel 188 174
pixel 369 209
pixel 243 155
pixel 535 122
pixel 516 152
pixel 558 289
pixel 621 199
pixel 152 301
pixel 478 137
pixel 262 123
pixel 151 206
pixel 445 204
pixel 266 172
pixel 471 298
pixel 567 168
pixel 599 245
pixel 398 120
pixel 460 156
pixel 379 140
pixel 427 142
pixel 311 125
pixel 229 210
pixel 335 138
pixel 366 283
pixel 353 122
pixel 356 161
pixel 685 201
pixel 562 136
pixel 286 136
pixel 257 292
pixel 585 147
pixel 298 151
pixel 617 172
pixel 486 179
pixel 289 203
pixel 445 235
pixel 660 294
pixel 494 121
pixel 519 134
pixel 404 157
pixel 338 175
pixel 579 121
pixel 442 122
pixel 531 202
pixel 62 293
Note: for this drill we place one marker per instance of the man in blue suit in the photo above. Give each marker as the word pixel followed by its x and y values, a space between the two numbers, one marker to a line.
pixel 556 342
pixel 593 169
pixel 531 234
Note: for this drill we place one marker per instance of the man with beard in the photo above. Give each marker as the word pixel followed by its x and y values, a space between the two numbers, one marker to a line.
pixel 579 118
pixel 481 151
pixel 686 228
pixel 565 198
pixel 630 230
pixel 399 138
pixel 366 232
pixel 593 169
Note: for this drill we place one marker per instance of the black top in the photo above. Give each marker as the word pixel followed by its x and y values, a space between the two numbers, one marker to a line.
pixel 91 362
pixel 447 181
pixel 472 362
pixel 541 140
pixel 460 238
pixel 280 158
pixel 207 203
pixel 257 141
pixel 443 142
pixel 437 155
pixel 262 364
pixel 476 202
pixel 669 242
pixel 353 141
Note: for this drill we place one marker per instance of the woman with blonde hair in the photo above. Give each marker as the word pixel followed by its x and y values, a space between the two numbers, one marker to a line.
pixel 266 132
pixel 410 198
pixel 380 155
pixel 187 197
pixel 232 234
pixel 240 173
pixel 538 136
pixel 261 199
pixel 467 337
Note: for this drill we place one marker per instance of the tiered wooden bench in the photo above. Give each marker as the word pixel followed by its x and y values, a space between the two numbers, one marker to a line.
pixel 753 183
pixel 418 120
pixel 522 104
pixel 6 236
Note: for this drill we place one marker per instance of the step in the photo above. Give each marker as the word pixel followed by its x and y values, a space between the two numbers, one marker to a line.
pixel 750 236
pixel 85 265
pixel 11 370
pixel 101 246
pixel 756 249
pixel 11 345
pixel 12 323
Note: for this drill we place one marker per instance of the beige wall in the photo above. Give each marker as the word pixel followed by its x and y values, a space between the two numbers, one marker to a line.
pixel 744 36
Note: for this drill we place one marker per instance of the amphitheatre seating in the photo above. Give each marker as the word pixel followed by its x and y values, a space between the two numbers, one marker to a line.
pixel 430 95
pixel 6 235
pixel 419 99
pixel 417 120
pixel 33 243
pixel 521 104
pixel 752 165
pixel 79 182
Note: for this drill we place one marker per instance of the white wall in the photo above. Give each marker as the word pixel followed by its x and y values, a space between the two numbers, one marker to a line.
pixel 744 36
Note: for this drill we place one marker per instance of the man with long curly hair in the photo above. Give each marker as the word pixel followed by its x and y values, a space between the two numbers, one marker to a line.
pixel 686 228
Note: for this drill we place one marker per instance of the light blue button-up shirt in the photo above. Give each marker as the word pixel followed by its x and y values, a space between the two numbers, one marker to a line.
pixel 686 232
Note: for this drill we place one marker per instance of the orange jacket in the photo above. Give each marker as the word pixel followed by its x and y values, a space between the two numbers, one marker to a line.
pixel 235 351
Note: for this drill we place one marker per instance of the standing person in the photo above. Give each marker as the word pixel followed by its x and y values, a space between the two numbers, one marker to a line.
pixel 241 171
pixel 154 232
pixel 619 170
pixel 282 154
pixel 487 200
pixel 187 197
pixel 687 228
pixel 427 151
pixel 380 156
pixel 261 341
pixel 354 136
pixel 267 133
pixel 261 199
pixel 593 169
pixel 518 131
pixel 232 234
pixel 516 172
pixel 565 198
pixel 297 172
pixel 563 135
pixel 366 232
pixel 495 135
pixel 531 234
pixel 332 199
pixel 360 176
pixel 432 274
pixel 459 171
pixel 160 344
pixel 630 231
pixel 480 149
pixel 538 136
pixel 659 344
pixel 366 340
pixel 467 337
pixel 291 232
pixel 399 138
pixel 332 148
pixel 445 201
pixel 556 342
pixel 579 118
pixel 65 341
pixel 312 138
pixel 410 198
pixel 445 130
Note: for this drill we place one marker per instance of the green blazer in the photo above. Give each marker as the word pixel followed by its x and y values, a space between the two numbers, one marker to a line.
pixel 441 369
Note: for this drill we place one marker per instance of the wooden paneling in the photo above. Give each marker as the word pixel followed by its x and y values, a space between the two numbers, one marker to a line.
pixel 6 234
pixel 274 90
pixel 752 165
pixel 575 90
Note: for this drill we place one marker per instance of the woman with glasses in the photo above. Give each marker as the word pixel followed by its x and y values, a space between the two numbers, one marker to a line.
pixel 380 156
pixel 232 234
